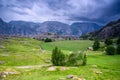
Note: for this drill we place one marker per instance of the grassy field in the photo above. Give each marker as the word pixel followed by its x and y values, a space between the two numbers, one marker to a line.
pixel 25 52
pixel 75 45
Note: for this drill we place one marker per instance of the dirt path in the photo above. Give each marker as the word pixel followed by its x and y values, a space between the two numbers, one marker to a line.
pixel 34 66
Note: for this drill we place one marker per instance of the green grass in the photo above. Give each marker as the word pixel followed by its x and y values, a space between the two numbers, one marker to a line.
pixel 26 51
pixel 22 51
pixel 108 65
pixel 75 45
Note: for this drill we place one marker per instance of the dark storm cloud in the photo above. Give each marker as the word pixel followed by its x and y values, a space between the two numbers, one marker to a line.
pixel 99 11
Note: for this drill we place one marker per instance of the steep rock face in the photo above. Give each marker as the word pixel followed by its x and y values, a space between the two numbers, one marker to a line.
pixel 55 27
pixel 83 28
pixel 111 30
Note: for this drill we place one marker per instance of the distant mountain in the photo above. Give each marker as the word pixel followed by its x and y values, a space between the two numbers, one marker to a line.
pixel 24 28
pixel 111 30
pixel 30 29
pixel 55 27
pixel 5 28
pixel 84 27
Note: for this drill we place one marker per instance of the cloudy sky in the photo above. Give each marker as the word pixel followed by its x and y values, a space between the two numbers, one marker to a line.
pixel 67 11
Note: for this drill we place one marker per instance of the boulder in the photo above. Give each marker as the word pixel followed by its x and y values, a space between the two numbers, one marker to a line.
pixel 2 62
pixel 51 68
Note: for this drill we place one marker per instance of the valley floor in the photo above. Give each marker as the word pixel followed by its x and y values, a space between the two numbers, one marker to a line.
pixel 23 59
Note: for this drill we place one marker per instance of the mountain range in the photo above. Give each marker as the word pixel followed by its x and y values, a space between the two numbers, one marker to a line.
pixel 30 28
pixel 111 30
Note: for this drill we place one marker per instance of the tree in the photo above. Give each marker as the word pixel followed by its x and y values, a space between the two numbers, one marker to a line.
pixel 48 40
pixel 108 41
pixel 110 50
pixel 58 58
pixel 96 45
pixel 118 41
pixel 118 49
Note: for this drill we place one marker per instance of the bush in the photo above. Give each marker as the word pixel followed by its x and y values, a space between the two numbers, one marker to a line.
pixel 58 58
pixel 110 50
pixel 77 59
pixel 118 49
pixel 84 60
pixel 96 45
pixel 118 41
pixel 108 41
pixel 48 40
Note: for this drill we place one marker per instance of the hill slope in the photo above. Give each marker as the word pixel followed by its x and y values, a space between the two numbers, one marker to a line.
pixel 111 30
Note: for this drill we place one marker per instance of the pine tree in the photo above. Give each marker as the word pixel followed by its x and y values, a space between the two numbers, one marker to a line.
pixel 58 58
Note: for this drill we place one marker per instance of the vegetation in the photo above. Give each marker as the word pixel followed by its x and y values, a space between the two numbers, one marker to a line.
pixel 20 52
pixel 110 50
pixel 108 41
pixel 48 40
pixel 73 45
pixel 84 59
pixel 77 59
pixel 118 41
pixel 96 45
pixel 58 58
pixel 118 49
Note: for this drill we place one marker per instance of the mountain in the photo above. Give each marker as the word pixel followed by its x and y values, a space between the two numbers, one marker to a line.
pixel 31 29
pixel 5 28
pixel 111 30
pixel 24 28
pixel 83 28
pixel 55 27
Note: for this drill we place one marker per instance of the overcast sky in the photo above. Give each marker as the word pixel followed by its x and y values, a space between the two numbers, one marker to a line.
pixel 67 11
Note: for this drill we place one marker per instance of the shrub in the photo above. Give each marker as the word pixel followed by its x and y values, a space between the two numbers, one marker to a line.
pixel 48 40
pixel 96 45
pixel 72 59
pixel 118 41
pixel 77 59
pixel 108 41
pixel 110 50
pixel 118 49
pixel 84 60
pixel 58 58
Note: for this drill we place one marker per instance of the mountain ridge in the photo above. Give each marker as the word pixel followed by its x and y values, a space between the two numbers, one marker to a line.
pixel 25 28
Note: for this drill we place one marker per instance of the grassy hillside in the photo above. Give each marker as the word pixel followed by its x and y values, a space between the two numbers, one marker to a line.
pixel 21 52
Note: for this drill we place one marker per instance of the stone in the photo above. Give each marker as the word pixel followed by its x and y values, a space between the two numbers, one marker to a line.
pixel 70 76
pixel 2 62
pixel 3 76
pixel 51 69
pixel 63 68
pixel 2 46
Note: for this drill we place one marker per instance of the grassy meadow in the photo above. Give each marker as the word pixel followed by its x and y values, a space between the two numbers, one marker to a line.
pixel 17 52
